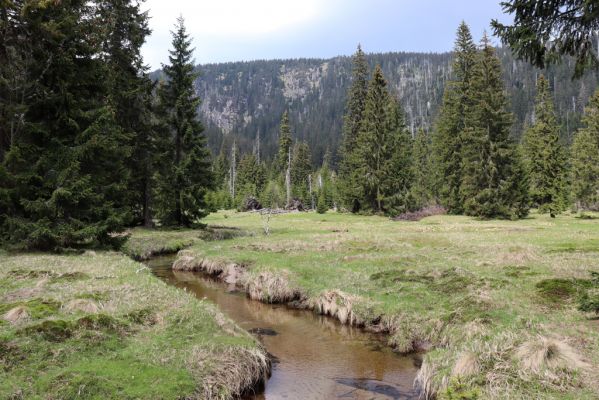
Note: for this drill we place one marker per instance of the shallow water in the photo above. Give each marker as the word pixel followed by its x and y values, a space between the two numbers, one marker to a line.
pixel 315 357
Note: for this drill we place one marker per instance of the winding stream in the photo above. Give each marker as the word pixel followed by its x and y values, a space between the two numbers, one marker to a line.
pixel 315 357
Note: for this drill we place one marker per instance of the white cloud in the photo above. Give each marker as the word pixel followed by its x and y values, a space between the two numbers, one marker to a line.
pixel 216 20
pixel 233 17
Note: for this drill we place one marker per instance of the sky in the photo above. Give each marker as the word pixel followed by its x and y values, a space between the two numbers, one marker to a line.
pixel 242 30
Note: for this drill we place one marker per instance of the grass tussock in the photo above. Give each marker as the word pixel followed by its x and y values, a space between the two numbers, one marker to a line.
pixel 544 353
pixel 236 370
pixel 16 315
pixel 338 305
pixel 270 287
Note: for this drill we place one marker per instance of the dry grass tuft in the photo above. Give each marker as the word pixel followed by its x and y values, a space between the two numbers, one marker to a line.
pixel 542 353
pixel 83 305
pixel 236 370
pixel 467 364
pixel 424 381
pixel 270 287
pixel 336 304
pixel 231 273
pixel 16 315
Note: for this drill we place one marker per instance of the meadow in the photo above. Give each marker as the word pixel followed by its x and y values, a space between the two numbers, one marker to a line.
pixel 492 304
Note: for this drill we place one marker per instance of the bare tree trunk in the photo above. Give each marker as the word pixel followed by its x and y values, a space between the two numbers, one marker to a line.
pixel 232 172
pixel 310 189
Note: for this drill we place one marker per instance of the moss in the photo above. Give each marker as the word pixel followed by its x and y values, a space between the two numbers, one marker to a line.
pixel 30 274
pixel 459 390
pixel 556 290
pixel 143 316
pixel 116 352
pixel 517 271
pixel 101 321
pixel 36 308
pixel 53 330
pixel 213 233
pixel 97 296
pixel 70 277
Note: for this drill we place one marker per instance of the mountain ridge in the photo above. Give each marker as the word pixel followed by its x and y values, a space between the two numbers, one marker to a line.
pixel 242 100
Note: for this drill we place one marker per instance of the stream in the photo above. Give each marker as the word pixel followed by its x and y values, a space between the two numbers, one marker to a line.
pixel 314 357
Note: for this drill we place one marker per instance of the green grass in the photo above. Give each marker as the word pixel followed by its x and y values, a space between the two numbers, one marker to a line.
pixel 455 284
pixel 100 326
pixel 144 243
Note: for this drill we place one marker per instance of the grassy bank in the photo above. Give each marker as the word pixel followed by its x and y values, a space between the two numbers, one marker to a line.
pixel 144 243
pixel 493 302
pixel 101 326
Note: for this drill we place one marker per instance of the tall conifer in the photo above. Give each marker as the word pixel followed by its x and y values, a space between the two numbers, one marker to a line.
pixel 352 120
pixel 585 159
pixel 64 178
pixel 424 179
pixel 185 175
pixel 301 167
pixel 382 157
pixel 447 141
pixel 544 157
pixel 493 183
pixel 124 28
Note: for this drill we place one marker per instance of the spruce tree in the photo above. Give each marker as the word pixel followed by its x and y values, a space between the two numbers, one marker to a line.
pixel 423 186
pixel 185 175
pixel 301 168
pixel 399 173
pixel 544 157
pixel 63 179
pixel 382 155
pixel 251 177
pixel 447 141
pixel 585 159
pixel 493 183
pixel 285 142
pixel 371 145
pixel 123 30
pixel 352 120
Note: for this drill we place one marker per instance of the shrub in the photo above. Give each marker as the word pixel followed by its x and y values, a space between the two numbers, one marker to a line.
pixel 321 206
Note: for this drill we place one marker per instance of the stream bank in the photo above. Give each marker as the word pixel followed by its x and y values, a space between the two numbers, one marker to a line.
pixel 314 356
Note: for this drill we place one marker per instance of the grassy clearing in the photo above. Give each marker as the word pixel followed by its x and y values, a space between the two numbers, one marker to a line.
pixel 494 302
pixel 101 326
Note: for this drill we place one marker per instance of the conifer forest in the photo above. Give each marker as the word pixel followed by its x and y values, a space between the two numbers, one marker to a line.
pixel 375 225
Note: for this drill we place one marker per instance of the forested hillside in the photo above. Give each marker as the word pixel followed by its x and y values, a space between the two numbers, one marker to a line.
pixel 244 100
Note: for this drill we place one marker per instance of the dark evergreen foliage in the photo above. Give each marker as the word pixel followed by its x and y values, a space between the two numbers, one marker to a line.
pixel 382 159
pixel 447 141
pixel 124 28
pixel 543 31
pixel 423 188
pixel 185 174
pixel 301 170
pixel 63 176
pixel 350 187
pixel 492 179
pixel 585 160
pixel 544 157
